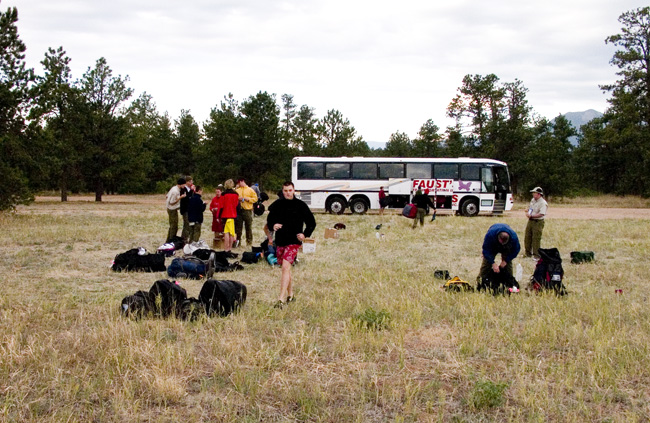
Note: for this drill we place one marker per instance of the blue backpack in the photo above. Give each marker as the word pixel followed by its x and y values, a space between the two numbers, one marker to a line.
pixel 190 268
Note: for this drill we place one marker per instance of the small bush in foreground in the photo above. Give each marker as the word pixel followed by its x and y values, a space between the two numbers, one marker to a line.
pixel 487 394
pixel 373 320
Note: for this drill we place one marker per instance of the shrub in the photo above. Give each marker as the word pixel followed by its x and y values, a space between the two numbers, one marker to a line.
pixel 373 320
pixel 487 394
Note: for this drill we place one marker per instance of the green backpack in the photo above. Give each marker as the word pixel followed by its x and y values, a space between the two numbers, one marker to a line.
pixel 578 257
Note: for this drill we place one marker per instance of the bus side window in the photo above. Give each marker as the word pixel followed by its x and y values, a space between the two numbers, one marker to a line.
pixel 391 170
pixel 308 170
pixel 418 170
pixel 364 170
pixel 445 171
pixel 470 172
pixel 337 170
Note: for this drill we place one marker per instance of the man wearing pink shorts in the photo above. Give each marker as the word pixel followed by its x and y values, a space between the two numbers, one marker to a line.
pixel 292 221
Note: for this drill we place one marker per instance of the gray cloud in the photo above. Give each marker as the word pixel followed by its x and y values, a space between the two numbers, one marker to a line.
pixel 387 66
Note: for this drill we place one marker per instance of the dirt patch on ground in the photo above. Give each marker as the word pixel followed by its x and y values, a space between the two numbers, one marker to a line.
pixel 145 203
pixel 592 213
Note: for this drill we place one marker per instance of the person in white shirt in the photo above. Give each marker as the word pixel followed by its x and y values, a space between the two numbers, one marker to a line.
pixel 174 196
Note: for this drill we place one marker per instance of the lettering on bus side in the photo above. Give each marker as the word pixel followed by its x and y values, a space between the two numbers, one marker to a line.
pixel 440 186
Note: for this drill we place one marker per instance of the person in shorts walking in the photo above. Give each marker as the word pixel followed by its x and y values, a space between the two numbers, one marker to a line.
pixel 292 221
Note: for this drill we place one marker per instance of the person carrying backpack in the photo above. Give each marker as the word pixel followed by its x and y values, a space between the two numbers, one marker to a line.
pixel 423 202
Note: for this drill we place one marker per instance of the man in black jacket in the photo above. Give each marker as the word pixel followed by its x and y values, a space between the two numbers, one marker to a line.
pixel 185 201
pixel 292 221
pixel 195 210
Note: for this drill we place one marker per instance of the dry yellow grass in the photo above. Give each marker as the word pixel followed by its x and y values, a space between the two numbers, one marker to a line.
pixel 66 354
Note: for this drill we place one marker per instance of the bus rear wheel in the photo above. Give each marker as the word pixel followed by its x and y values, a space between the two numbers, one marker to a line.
pixel 469 208
pixel 336 205
pixel 359 206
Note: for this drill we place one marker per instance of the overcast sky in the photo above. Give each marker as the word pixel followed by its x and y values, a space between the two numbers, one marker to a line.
pixel 387 66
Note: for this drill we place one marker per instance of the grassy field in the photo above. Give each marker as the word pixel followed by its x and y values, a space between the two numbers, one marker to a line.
pixel 371 338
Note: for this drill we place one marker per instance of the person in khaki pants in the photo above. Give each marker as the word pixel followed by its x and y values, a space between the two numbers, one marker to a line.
pixel 173 201
pixel 247 198
pixel 536 213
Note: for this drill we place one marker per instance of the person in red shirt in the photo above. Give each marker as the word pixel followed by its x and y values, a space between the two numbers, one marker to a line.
pixel 382 200
pixel 215 207
pixel 228 213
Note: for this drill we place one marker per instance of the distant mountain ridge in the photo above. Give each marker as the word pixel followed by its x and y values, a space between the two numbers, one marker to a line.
pixel 577 119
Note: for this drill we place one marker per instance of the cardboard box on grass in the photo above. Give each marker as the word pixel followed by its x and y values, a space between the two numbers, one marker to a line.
pixel 309 245
pixel 331 233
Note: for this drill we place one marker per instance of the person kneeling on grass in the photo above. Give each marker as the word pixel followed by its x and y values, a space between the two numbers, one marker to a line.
pixel 499 239
pixel 292 221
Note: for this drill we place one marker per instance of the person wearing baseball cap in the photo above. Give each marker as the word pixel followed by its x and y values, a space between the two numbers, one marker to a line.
pixel 173 202
pixel 536 213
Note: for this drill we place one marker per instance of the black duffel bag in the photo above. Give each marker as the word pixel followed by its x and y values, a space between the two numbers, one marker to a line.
pixel 222 297
pixel 132 260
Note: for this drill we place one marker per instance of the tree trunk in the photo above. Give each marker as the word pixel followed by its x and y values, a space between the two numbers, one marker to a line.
pixel 99 190
pixel 63 185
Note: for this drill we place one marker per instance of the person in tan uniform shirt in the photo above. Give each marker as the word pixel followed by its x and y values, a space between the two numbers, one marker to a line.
pixel 536 213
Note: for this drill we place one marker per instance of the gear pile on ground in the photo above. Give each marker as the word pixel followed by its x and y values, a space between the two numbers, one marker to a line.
pixel 168 299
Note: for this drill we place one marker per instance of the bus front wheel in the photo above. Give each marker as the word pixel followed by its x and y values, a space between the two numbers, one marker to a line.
pixel 469 208
pixel 359 206
pixel 336 205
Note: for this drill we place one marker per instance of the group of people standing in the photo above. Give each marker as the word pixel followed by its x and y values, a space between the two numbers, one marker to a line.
pixel 232 211
pixel 289 221
pixel 184 198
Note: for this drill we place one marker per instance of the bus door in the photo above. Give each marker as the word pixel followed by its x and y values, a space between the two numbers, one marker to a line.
pixel 496 180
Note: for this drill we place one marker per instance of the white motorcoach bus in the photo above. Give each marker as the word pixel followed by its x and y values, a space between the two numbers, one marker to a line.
pixel 464 185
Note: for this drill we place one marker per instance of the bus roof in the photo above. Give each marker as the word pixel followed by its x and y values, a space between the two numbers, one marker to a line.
pixel 397 159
